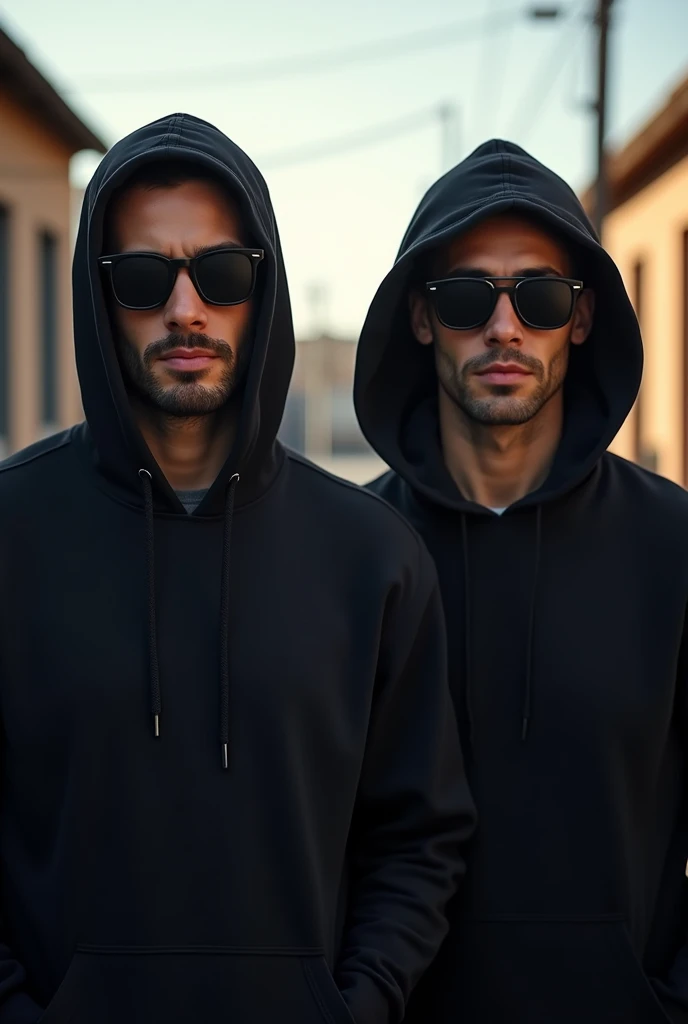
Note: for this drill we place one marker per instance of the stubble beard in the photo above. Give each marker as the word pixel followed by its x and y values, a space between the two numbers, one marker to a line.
pixel 502 408
pixel 188 397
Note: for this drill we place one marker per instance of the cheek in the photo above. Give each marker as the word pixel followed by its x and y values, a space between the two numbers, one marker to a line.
pixel 559 344
pixel 547 346
pixel 139 329
pixel 459 346
pixel 230 323
pixel 553 353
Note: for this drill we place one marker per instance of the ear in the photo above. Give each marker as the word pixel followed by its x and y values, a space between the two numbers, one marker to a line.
pixel 419 311
pixel 583 317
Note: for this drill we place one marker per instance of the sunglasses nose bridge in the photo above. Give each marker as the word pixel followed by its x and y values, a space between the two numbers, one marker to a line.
pixel 184 307
pixel 504 323
pixel 184 280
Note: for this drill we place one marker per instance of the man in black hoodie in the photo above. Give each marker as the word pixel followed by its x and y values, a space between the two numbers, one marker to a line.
pixel 499 358
pixel 231 787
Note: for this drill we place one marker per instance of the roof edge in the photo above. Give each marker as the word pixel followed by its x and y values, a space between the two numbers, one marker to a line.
pixel 23 80
pixel 658 145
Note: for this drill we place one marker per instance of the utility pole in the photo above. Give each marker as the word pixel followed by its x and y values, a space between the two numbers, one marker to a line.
pixel 448 116
pixel 602 19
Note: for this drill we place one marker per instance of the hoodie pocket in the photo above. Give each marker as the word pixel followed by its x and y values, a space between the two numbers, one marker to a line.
pixel 541 971
pixel 212 985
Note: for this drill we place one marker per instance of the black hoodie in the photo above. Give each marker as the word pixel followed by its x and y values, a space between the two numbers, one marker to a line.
pixel 566 623
pixel 141 880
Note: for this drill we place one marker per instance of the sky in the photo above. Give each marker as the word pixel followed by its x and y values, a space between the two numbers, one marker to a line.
pixel 279 78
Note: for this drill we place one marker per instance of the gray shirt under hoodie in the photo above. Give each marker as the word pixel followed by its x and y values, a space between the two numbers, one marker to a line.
pixel 192 499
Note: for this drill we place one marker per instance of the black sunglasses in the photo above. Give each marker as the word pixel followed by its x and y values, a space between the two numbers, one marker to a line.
pixel 544 303
pixel 144 280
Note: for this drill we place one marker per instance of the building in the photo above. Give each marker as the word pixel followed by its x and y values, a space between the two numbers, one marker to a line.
pixel 39 134
pixel 646 232
pixel 319 417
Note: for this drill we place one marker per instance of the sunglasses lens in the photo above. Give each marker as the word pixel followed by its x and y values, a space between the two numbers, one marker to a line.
pixel 463 304
pixel 546 304
pixel 140 282
pixel 225 278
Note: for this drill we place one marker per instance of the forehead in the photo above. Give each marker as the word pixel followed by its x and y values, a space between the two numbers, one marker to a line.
pixel 194 213
pixel 503 240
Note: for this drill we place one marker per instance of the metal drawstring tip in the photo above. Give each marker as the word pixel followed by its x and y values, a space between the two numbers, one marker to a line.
pixel 156 724
pixel 225 755
pixel 524 730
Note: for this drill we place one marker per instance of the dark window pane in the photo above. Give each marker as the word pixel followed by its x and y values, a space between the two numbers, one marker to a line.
pixel 48 269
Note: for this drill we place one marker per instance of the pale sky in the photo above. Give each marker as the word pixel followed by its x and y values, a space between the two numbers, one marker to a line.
pixel 341 218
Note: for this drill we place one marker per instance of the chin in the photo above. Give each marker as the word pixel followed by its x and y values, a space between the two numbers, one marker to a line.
pixel 505 412
pixel 511 414
pixel 173 378
pixel 189 400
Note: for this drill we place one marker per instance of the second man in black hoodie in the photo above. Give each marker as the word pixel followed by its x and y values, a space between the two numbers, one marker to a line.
pixel 499 358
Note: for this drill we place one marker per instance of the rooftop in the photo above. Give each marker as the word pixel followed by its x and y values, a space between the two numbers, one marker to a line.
pixel 34 92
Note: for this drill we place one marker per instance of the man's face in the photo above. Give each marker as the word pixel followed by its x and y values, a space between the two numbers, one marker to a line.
pixel 154 345
pixel 473 365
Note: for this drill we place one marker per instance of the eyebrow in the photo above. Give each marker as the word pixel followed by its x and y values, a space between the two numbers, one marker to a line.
pixel 543 271
pixel 201 250
pixel 198 250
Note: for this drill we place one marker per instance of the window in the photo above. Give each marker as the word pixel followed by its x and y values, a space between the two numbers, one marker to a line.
pixel 48 327
pixel 4 332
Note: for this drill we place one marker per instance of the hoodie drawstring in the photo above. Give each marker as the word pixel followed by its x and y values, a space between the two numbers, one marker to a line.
pixel 224 621
pixel 527 708
pixel 154 667
pixel 467 626
pixel 528 688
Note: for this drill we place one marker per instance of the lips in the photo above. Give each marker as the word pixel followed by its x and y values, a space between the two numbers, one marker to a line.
pixel 504 373
pixel 188 359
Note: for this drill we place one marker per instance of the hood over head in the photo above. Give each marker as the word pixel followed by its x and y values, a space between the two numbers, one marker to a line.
pixel 120 450
pixel 396 383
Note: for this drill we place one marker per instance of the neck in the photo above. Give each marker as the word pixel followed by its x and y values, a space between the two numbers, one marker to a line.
pixel 497 466
pixel 190 451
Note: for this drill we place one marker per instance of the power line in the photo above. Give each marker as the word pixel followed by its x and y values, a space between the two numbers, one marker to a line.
pixel 311 63
pixel 381 132
pixel 308 153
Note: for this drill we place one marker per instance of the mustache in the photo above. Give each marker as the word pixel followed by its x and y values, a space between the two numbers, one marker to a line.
pixel 159 348
pixel 481 362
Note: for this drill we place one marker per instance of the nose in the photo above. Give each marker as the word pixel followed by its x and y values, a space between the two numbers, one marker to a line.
pixel 504 327
pixel 185 310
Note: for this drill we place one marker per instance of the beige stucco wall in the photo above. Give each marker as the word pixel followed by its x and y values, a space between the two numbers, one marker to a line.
pixel 34 187
pixel 649 228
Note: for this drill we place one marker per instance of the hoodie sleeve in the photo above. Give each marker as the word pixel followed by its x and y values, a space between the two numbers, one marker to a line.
pixel 413 812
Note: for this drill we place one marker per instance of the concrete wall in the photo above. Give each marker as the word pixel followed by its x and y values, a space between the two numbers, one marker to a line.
pixel 649 229
pixel 34 188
